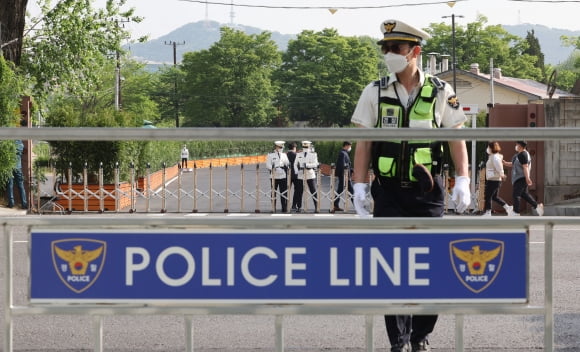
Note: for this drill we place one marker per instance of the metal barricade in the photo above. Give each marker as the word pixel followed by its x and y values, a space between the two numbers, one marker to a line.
pixel 459 310
pixel 314 224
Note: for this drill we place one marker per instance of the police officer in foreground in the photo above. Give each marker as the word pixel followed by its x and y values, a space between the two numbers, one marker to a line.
pixel 277 162
pixel 305 166
pixel 407 179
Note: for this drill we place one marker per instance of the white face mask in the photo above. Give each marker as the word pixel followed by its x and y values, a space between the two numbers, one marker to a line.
pixel 396 63
pixel 488 150
pixel 516 148
pixel 348 149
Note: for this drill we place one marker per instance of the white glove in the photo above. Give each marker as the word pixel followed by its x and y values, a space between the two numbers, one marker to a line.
pixel 361 204
pixel 461 195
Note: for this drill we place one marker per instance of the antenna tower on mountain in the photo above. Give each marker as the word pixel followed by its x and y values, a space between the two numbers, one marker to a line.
pixel 232 14
pixel 206 14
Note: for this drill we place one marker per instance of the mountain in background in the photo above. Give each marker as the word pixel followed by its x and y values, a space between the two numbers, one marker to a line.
pixel 201 35
pixel 549 38
pixel 194 36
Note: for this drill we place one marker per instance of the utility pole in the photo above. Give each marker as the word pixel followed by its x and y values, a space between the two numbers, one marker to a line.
pixel 454 63
pixel 175 99
pixel 120 23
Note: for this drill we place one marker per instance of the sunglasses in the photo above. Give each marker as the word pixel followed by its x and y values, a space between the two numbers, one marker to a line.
pixel 395 47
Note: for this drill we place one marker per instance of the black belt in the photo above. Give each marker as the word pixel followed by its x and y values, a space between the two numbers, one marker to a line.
pixel 395 182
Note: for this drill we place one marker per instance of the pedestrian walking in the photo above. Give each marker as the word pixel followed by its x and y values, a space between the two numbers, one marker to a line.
pixel 521 165
pixel 494 176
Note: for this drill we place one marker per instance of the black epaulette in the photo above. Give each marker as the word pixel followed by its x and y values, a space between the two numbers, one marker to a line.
pixel 437 82
pixel 383 82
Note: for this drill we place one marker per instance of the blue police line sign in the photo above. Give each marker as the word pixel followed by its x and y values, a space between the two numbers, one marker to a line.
pixel 264 267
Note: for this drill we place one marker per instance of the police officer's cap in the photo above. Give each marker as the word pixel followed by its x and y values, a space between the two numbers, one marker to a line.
pixel 399 30
pixel 279 143
pixel 306 143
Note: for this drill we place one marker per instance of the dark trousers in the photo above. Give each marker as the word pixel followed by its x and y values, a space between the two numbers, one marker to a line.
pixel 281 184
pixel 491 193
pixel 391 200
pixel 297 197
pixel 299 190
pixel 184 163
pixel 340 189
pixel 19 179
pixel 404 328
pixel 520 190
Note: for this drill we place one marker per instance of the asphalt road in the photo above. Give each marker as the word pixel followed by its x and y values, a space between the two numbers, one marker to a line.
pixel 220 190
pixel 308 333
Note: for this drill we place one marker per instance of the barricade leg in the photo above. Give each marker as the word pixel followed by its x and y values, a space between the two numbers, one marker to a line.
pixel 85 189
pixel 279 333
pixel 459 322
pixel 548 288
pixel 188 333
pixel 8 328
pixel 257 208
pixel 98 332
pixel 101 190
pixel 227 208
pixel 369 333
pixel 194 210
pixel 242 188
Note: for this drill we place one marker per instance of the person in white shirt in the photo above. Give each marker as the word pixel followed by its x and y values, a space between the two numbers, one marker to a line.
pixel 184 157
pixel 407 180
pixel 494 175
pixel 277 162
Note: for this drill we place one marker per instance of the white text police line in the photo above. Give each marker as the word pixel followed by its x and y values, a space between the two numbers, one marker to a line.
pixel 139 258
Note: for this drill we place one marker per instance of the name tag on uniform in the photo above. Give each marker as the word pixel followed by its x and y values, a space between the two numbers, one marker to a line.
pixel 390 117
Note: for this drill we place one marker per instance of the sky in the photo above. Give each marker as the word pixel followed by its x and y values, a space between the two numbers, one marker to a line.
pixel 163 16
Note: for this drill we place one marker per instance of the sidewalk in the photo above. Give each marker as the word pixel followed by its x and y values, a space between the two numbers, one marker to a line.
pixel 5 211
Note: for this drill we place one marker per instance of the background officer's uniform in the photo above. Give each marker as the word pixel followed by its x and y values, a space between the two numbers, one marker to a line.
pixel 305 167
pixel 277 162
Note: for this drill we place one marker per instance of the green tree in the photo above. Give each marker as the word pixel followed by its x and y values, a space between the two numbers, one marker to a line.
pixel 72 41
pixel 168 93
pixel 534 49
pixel 97 110
pixel 569 70
pixel 322 75
pixel 10 93
pixel 478 43
pixel 229 85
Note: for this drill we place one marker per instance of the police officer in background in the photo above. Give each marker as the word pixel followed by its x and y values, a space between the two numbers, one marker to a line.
pixel 294 181
pixel 343 169
pixel 277 162
pixel 305 166
pixel 407 179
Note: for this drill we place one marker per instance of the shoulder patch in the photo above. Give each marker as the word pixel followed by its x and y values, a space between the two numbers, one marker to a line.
pixel 453 102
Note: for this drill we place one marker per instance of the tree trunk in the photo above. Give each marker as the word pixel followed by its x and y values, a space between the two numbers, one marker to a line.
pixel 12 19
